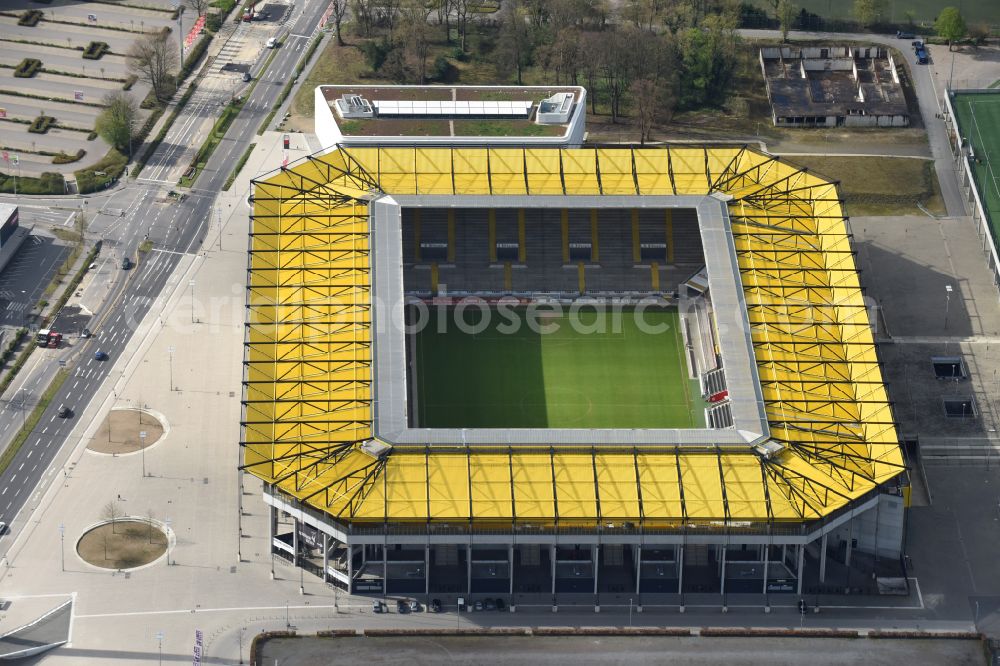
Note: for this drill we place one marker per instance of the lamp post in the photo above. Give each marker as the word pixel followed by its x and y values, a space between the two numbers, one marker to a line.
pixel 62 546
pixel 947 304
pixel 191 284
pixel 630 612
pixel 167 523
pixel 142 445
pixel 159 640
pixel 170 353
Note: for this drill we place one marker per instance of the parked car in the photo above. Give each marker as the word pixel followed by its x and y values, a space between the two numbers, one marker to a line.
pixel 414 606
pixel 126 263
pixel 921 55
pixel 246 76
pixel 435 605
pixel 100 356
pixel 500 604
pixel 401 606
pixel 85 333
pixel 272 43
pixel 376 606
pixel 900 34
pixel 478 606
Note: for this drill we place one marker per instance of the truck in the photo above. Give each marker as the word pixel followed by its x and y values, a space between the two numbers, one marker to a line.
pixel 48 338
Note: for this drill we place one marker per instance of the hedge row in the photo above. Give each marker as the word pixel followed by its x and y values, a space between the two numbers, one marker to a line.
pixel 27 68
pixel 41 124
pixel 95 50
pixel 31 17
pixel 66 158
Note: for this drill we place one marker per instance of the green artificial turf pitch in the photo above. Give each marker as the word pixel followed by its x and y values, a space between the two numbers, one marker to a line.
pixel 623 376
pixel 979 122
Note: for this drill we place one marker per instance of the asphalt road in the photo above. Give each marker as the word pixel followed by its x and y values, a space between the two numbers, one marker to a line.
pixel 176 228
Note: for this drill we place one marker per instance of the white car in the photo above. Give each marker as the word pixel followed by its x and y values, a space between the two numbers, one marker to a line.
pixel 272 43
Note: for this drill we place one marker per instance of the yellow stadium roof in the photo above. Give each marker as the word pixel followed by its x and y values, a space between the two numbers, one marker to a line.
pixel 308 359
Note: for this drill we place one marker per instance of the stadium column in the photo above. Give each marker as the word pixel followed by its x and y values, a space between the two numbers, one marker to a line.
pixel 435 278
pixel 798 568
pixel 295 541
pixel 510 560
pixel 564 226
pixel 722 572
pixel 451 235
pixel 492 222
pixel 638 569
pixel 468 568
pixel 427 569
pixel 654 274
pixel 508 279
pixel 272 528
pixel 596 561
pixel 767 563
pixel 636 245
pixel 416 235
pixel 822 559
pixel 595 247
pixel 326 557
pixel 385 568
pixel 552 554
pixel 668 228
pixel 522 246
pixel 350 569
pixel 581 274
pixel 680 569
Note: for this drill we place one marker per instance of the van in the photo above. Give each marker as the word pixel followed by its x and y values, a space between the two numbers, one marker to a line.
pixel 272 43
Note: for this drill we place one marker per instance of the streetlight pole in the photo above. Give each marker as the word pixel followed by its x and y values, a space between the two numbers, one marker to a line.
pixel 170 353
pixel 630 612
pixel 159 640
pixel 947 304
pixel 142 444
pixel 191 284
pixel 62 546
pixel 167 523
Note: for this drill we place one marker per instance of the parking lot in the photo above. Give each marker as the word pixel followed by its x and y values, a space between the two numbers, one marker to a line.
pixel 68 87
pixel 23 282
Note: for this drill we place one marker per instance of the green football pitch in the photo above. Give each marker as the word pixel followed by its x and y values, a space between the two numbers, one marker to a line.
pixel 979 122
pixel 586 370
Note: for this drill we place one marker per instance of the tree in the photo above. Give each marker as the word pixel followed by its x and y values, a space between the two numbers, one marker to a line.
pixel 786 12
pixel 338 9
pixel 950 25
pixel 364 12
pixel 200 6
pixel 153 58
pixel 514 48
pixel 416 36
pixel 462 9
pixel 870 12
pixel 707 59
pixel 119 120
pixel 112 511
pixel 979 33
pixel 617 66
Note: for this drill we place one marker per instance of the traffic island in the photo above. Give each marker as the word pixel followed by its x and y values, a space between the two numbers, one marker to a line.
pixel 127 430
pixel 126 543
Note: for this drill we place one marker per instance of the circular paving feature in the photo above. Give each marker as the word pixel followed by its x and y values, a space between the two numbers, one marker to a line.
pixel 120 432
pixel 126 543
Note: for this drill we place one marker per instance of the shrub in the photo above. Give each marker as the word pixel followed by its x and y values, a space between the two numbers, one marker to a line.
pixel 47 183
pixel 92 136
pixel 30 18
pixel 95 50
pixel 64 158
pixel 41 124
pixel 443 71
pixel 193 57
pixel 27 68
pixel 100 175
pixel 214 22
pixel 130 81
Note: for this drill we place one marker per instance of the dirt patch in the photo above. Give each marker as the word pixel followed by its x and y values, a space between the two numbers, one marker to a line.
pixel 124 544
pixel 119 432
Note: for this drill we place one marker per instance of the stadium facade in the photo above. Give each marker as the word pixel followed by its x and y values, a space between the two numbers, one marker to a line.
pixel 795 485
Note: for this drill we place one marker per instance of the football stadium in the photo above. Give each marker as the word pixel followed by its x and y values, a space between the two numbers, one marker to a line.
pixel 577 375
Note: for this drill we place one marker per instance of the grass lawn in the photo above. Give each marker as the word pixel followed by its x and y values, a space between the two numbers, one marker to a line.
pixel 124 544
pixel 979 122
pixel 880 185
pixel 923 10
pixel 589 372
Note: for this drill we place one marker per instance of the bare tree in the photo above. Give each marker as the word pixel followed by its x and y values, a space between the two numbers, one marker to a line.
pixel 786 11
pixel 443 9
pixel 153 58
pixel 415 33
pixel 514 48
pixel 200 6
pixel 338 11
pixel 364 12
pixel 562 56
pixel 462 9
pixel 112 511
pixel 617 67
